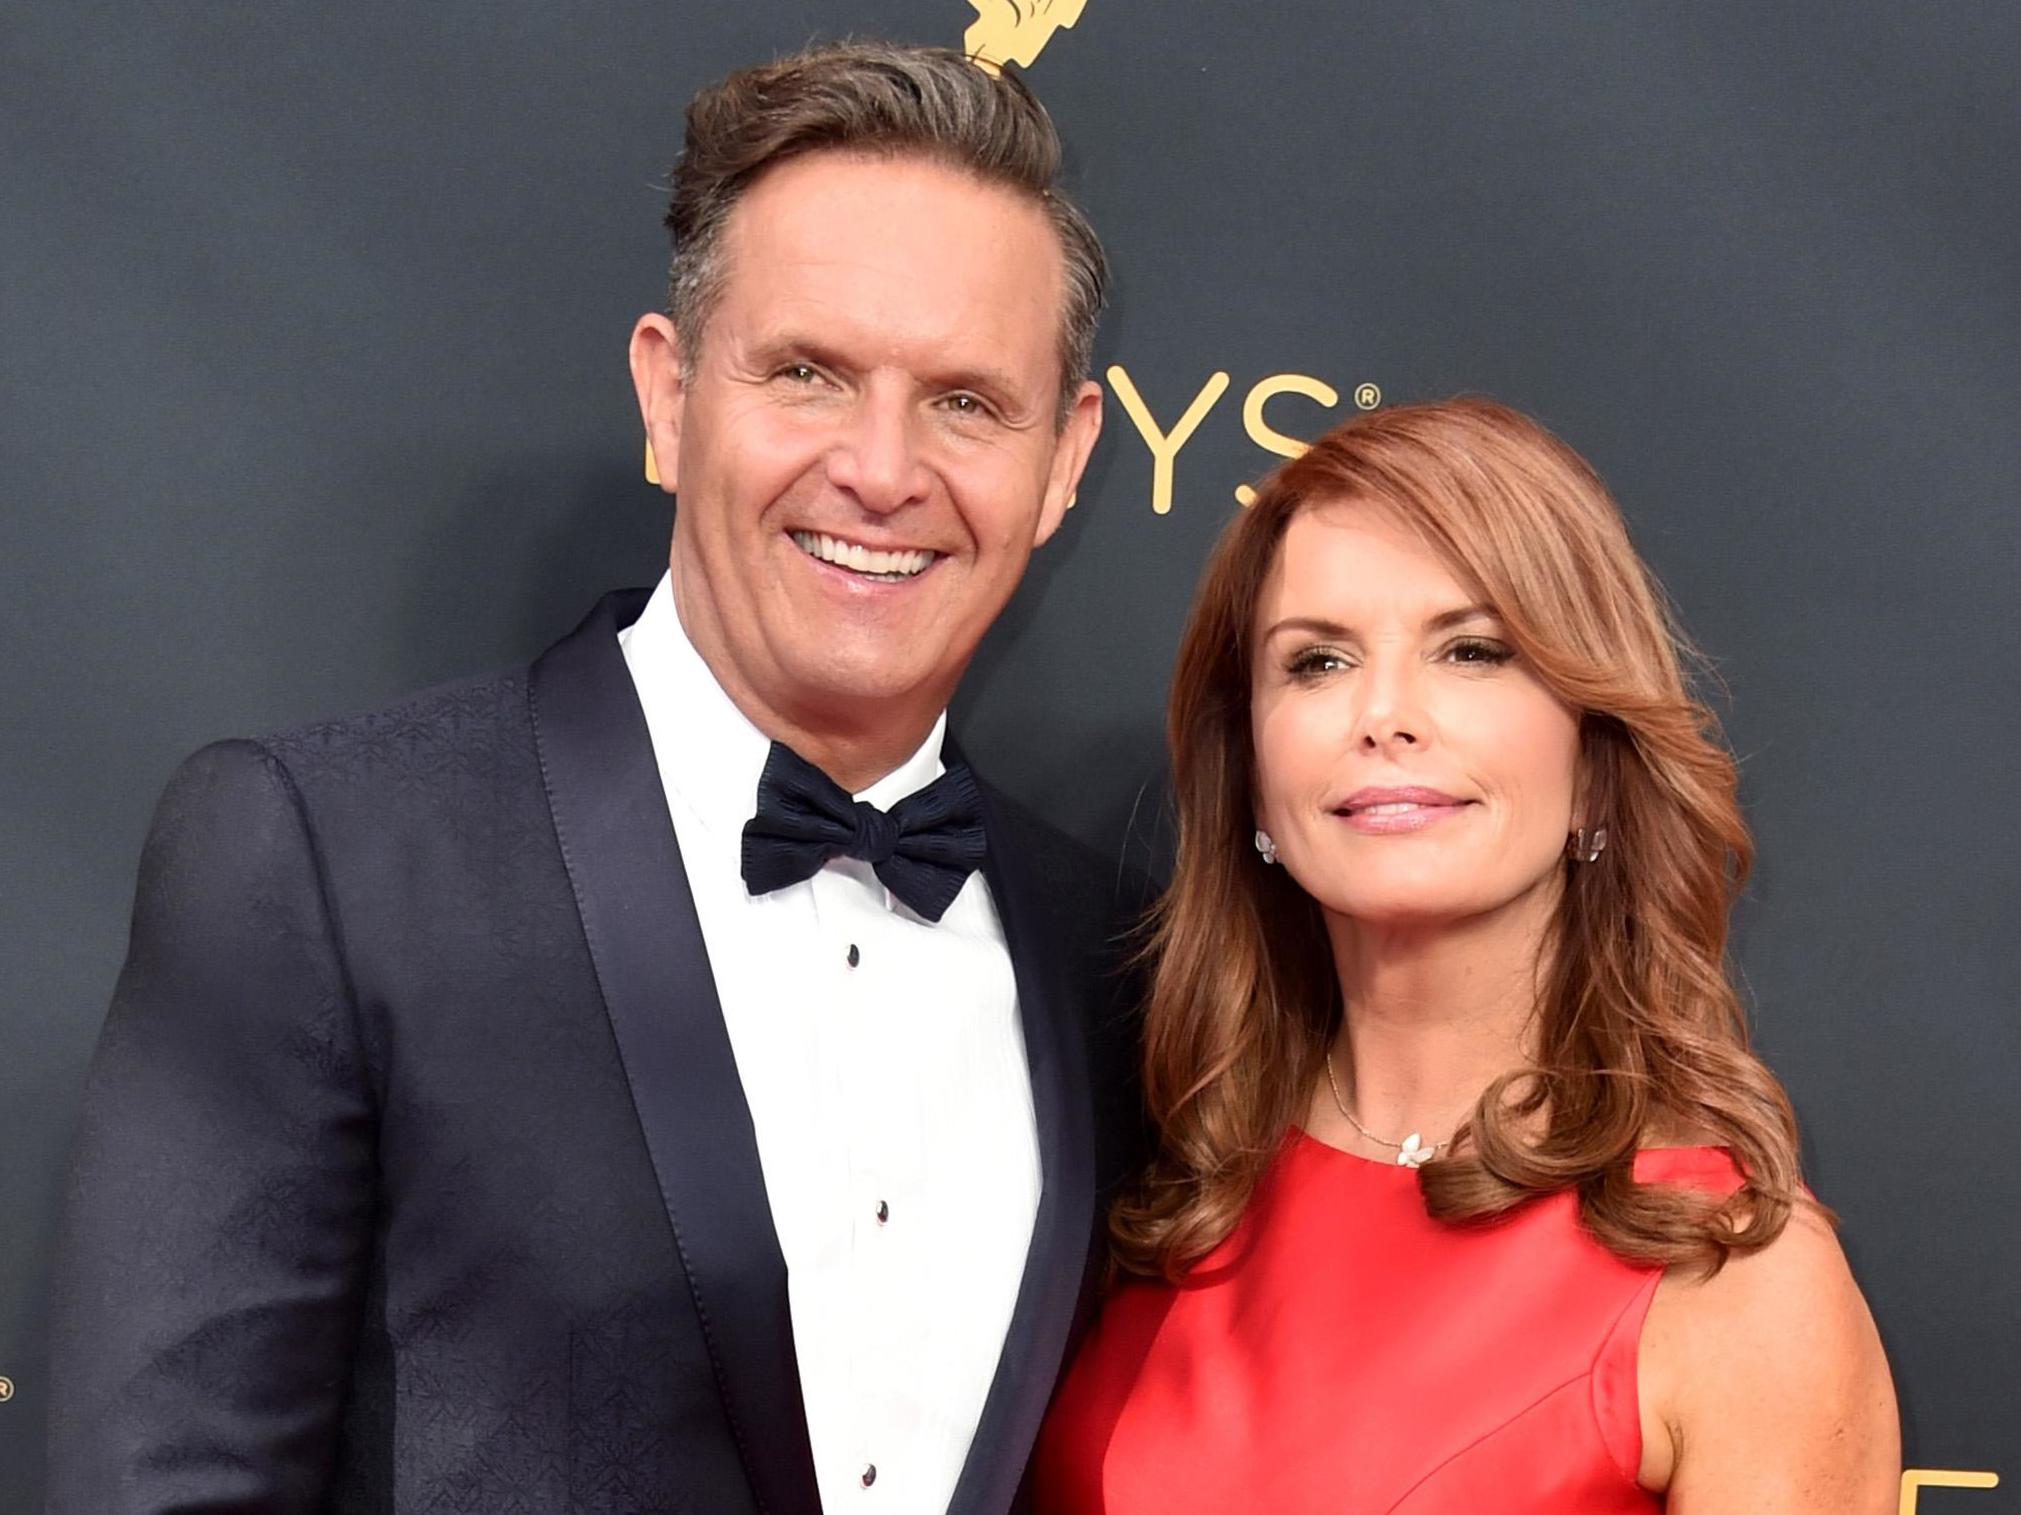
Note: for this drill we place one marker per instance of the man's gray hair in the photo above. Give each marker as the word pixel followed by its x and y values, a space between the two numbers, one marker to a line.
pixel 881 98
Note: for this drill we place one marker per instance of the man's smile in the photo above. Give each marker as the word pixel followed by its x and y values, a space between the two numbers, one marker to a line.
pixel 885 566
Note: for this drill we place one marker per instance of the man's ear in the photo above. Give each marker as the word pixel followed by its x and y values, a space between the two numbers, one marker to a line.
pixel 656 376
pixel 1070 457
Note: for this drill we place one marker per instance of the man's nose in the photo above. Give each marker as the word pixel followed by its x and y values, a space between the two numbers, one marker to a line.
pixel 877 458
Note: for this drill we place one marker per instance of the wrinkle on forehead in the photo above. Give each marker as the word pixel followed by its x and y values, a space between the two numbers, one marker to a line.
pixel 1404 531
pixel 837 237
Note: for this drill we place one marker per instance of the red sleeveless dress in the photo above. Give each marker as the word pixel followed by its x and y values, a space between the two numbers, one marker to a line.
pixel 1341 1353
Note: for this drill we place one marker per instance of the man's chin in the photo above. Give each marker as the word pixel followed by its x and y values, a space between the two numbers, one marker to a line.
pixel 859 679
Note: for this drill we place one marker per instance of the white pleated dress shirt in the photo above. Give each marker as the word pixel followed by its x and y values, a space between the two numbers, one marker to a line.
pixel 884 1065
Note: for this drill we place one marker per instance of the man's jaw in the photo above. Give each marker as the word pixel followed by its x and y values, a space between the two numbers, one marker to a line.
pixel 878 565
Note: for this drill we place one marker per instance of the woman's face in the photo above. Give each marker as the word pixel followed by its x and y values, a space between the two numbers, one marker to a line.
pixel 1409 767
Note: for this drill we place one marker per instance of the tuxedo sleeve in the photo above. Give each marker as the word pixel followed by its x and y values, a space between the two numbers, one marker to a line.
pixel 218 1215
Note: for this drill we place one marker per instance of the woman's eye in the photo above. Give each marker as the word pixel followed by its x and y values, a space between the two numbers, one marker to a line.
pixel 1480 652
pixel 1310 662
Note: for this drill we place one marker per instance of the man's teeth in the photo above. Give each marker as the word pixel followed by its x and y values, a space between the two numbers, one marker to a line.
pixel 898 565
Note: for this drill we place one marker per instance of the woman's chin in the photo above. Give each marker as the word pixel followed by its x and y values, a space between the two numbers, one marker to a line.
pixel 1405 913
pixel 1425 909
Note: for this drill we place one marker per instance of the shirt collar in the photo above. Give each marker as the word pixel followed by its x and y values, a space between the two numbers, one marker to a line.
pixel 709 753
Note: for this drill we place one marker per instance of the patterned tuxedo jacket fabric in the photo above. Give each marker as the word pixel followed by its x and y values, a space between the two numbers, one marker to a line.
pixel 414 1173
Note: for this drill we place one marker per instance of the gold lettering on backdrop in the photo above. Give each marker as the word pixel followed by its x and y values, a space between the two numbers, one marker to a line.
pixel 1015 31
pixel 1266 436
pixel 1916 1479
pixel 1165 445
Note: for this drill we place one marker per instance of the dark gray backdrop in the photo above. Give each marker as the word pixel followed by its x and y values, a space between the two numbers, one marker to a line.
pixel 312 391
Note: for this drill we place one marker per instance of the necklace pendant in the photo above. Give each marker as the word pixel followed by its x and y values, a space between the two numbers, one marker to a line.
pixel 1414 1153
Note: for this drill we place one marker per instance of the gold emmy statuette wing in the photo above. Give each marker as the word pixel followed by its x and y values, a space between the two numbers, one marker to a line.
pixel 1016 31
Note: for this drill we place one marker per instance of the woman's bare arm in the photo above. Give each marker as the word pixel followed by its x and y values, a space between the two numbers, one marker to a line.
pixel 1765 1388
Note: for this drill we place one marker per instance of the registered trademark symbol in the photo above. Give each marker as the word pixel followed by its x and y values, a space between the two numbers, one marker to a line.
pixel 6 1389
pixel 1367 396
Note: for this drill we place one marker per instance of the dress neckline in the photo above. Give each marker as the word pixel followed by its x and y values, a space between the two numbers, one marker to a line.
pixel 1645 1157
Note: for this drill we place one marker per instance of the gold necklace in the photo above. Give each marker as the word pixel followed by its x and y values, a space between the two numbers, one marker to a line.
pixel 1411 1152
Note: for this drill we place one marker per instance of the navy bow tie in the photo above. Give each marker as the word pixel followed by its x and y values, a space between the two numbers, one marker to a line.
pixel 923 849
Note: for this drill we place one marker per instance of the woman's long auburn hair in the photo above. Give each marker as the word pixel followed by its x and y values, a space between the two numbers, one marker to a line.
pixel 1638 1033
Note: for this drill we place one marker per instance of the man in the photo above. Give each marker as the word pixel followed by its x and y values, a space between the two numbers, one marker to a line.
pixel 660 1078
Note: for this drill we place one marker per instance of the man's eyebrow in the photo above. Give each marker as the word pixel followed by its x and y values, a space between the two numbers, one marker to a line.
pixel 1320 626
pixel 780 346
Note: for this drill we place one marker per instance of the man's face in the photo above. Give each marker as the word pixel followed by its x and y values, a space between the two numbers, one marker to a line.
pixel 866 450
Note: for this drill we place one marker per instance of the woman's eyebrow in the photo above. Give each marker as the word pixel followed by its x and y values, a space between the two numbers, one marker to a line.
pixel 1320 626
pixel 1311 625
pixel 1447 618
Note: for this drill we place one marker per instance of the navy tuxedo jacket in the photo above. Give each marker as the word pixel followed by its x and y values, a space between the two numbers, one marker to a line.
pixel 415 1173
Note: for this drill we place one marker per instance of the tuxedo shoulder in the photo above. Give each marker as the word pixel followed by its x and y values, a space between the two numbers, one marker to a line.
pixel 460 722
pixel 413 752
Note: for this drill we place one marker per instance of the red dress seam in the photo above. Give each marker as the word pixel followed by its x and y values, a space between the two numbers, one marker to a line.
pixel 1485 1437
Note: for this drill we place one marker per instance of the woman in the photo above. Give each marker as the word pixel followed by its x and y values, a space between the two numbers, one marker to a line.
pixel 1471 1197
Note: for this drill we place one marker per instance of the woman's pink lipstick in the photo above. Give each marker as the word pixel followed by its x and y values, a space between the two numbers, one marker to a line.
pixel 1385 812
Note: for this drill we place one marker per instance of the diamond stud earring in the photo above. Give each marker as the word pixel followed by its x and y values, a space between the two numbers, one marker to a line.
pixel 1265 848
pixel 1584 846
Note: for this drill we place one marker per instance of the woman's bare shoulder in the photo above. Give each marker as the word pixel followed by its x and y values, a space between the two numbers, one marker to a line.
pixel 1764 1386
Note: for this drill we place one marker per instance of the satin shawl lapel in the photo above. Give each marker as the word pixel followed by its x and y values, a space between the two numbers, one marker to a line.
pixel 631 890
pixel 1056 1053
